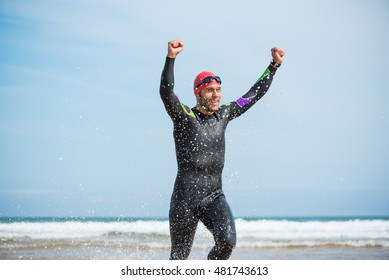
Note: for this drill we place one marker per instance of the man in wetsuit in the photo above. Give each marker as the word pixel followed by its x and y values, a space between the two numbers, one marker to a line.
pixel 200 147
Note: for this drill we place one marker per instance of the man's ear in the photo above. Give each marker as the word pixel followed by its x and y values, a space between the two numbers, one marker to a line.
pixel 198 96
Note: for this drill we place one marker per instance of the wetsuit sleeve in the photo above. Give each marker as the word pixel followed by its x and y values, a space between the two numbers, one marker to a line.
pixel 172 104
pixel 261 86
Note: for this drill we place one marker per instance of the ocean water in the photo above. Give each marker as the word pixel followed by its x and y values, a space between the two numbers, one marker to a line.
pixel 146 238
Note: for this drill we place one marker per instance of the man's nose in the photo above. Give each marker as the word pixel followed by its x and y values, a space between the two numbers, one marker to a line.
pixel 216 92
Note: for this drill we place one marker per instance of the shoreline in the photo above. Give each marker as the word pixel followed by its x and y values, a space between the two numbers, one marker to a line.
pixel 110 253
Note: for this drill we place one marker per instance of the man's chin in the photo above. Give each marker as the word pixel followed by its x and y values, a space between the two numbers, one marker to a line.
pixel 211 109
pixel 214 107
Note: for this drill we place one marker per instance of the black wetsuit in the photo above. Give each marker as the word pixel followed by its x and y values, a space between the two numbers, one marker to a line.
pixel 200 149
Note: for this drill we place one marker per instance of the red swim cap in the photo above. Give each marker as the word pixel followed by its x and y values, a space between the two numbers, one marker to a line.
pixel 199 78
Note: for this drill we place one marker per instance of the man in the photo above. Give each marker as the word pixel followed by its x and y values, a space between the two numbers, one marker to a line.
pixel 200 147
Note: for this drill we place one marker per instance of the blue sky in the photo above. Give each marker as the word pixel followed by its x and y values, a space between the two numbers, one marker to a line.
pixel 83 130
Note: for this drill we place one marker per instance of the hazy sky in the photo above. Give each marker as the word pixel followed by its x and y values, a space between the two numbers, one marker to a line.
pixel 83 130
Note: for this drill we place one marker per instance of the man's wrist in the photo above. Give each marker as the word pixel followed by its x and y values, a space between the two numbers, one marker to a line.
pixel 275 64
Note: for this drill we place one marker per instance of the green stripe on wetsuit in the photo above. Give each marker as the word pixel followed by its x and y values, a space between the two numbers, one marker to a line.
pixel 189 113
pixel 266 73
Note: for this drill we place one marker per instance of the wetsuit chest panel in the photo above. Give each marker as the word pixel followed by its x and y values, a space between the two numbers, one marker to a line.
pixel 200 143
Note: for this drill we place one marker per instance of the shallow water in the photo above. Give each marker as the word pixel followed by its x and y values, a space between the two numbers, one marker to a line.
pixel 272 239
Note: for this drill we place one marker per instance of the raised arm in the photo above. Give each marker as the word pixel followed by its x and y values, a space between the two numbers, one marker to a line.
pixel 261 86
pixel 170 100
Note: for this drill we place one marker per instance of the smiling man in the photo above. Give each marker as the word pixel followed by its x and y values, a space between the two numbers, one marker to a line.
pixel 199 135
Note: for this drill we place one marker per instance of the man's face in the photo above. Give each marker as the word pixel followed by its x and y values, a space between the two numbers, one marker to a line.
pixel 209 98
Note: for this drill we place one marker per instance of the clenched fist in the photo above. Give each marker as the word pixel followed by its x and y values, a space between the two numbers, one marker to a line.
pixel 174 48
pixel 277 54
